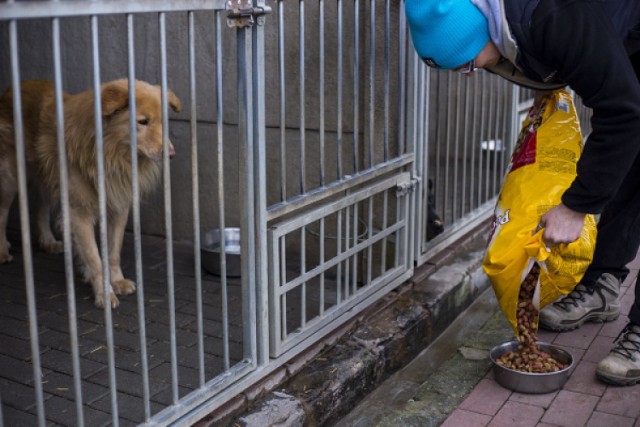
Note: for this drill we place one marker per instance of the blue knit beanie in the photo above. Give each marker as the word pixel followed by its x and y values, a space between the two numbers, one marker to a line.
pixel 446 33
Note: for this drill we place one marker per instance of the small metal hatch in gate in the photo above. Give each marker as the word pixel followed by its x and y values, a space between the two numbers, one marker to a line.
pixel 341 260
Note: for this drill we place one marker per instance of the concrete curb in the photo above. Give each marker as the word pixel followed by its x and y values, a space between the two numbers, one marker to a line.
pixel 333 382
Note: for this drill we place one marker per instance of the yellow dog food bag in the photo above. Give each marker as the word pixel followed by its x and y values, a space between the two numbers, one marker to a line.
pixel 542 167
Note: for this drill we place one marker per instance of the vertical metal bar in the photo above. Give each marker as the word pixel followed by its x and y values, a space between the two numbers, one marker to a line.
pixel 303 171
pixel 354 283
pixel 195 191
pixel 372 76
pixel 420 143
pixel 220 193
pixel 246 184
pixel 283 104
pixel 106 280
pixel 338 252
pixel 321 262
pixel 144 366
pixel 385 219
pixel 474 140
pixel 465 147
pixel 171 297
pixel 456 141
pixel 24 220
pixel 347 246
pixel 339 95
pixel 447 156
pixel 283 297
pixel 387 66
pixel 322 124
pixel 303 269
pixel 402 85
pixel 356 84
pixel 490 134
pixel 370 236
pixel 260 183
pixel 483 108
pixel 66 221
pixel 497 136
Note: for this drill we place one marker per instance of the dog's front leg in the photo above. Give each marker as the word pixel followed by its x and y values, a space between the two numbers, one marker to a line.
pixel 8 191
pixel 117 224
pixel 46 239
pixel 86 249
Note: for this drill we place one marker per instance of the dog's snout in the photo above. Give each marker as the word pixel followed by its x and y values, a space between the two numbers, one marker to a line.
pixel 172 151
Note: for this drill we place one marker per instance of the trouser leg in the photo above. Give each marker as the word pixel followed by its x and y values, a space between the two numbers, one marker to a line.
pixel 619 228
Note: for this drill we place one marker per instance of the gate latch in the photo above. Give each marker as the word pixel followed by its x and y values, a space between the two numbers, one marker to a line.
pixel 406 187
pixel 242 14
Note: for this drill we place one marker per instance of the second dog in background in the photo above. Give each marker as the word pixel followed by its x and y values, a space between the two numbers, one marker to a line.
pixel 41 148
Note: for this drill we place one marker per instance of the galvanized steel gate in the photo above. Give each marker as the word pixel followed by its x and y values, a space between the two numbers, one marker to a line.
pixel 315 131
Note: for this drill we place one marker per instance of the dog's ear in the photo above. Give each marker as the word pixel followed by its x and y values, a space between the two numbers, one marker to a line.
pixel 174 102
pixel 115 97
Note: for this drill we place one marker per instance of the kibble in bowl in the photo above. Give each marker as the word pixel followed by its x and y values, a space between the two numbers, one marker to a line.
pixel 531 382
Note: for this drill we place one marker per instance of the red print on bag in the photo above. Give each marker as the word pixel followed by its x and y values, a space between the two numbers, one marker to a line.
pixel 525 153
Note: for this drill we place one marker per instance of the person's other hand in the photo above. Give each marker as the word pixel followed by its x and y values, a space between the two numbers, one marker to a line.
pixel 561 225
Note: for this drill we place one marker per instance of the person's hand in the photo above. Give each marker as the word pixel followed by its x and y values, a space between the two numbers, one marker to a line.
pixel 561 225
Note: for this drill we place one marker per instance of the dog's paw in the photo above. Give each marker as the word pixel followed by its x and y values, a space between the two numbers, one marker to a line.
pixel 124 287
pixel 54 247
pixel 5 258
pixel 99 300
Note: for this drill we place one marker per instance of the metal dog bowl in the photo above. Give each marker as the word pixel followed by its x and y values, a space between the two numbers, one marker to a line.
pixel 211 250
pixel 525 382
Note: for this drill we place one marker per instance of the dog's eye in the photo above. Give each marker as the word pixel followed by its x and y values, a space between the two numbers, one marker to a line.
pixel 143 122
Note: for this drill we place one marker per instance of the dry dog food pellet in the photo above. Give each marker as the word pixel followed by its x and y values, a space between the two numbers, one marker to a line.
pixel 529 358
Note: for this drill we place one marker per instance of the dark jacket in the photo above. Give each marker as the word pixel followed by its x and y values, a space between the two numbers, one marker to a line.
pixel 586 44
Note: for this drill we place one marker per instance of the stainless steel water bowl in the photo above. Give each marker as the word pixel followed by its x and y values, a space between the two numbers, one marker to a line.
pixel 533 383
pixel 211 251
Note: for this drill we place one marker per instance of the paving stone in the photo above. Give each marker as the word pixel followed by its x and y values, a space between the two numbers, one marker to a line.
pixel 583 379
pixel 18 395
pixel 62 385
pixel 61 362
pixel 570 409
pixel 621 401
pixel 14 328
pixel 15 347
pixel 128 382
pixel 579 338
pixel 542 400
pixel 130 408
pixel 601 419
pixel 599 349
pixel 187 377
pixel 486 398
pixel 18 370
pixel 18 418
pixel 63 411
pixel 462 418
pixel 515 414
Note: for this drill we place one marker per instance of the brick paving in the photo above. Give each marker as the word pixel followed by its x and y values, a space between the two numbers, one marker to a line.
pixel 16 371
pixel 582 401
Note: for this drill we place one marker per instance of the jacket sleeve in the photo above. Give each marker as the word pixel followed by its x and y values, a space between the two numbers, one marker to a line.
pixel 579 41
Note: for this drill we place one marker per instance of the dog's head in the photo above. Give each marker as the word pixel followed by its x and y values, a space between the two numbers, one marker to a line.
pixel 115 109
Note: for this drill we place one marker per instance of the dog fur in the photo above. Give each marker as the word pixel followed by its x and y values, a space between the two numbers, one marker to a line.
pixel 41 152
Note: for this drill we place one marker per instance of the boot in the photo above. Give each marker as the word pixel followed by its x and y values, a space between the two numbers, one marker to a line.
pixel 597 303
pixel 622 365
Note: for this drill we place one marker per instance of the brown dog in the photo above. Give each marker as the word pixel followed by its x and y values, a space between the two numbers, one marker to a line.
pixel 41 149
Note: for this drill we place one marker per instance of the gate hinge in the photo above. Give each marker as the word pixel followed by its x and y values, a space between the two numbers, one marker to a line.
pixel 406 187
pixel 242 14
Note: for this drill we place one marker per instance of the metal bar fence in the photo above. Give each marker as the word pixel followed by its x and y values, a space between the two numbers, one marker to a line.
pixel 331 176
